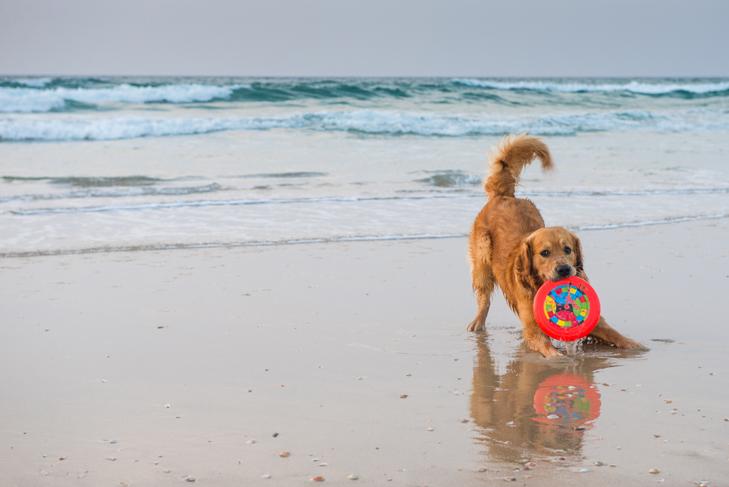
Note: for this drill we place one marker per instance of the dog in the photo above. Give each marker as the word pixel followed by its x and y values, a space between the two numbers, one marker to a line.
pixel 509 246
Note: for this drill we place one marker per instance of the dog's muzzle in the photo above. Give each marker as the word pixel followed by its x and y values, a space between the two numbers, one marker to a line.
pixel 563 270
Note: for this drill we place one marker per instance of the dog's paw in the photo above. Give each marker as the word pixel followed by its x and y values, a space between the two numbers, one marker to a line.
pixel 476 325
pixel 542 346
pixel 551 353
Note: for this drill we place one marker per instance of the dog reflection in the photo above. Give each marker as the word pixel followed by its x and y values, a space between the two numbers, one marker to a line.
pixel 537 407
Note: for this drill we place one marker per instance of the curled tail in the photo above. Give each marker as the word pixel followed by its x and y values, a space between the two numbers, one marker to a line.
pixel 509 158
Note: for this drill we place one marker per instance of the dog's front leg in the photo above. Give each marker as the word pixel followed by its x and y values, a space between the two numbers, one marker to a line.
pixel 610 335
pixel 533 337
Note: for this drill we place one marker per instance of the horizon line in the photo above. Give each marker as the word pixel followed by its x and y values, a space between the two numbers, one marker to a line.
pixel 362 76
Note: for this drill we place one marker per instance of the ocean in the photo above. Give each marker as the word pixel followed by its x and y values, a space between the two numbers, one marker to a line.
pixel 124 164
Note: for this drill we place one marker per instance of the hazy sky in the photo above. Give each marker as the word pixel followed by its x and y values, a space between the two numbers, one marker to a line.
pixel 374 37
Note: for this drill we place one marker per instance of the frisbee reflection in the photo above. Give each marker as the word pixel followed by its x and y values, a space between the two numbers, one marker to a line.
pixel 536 407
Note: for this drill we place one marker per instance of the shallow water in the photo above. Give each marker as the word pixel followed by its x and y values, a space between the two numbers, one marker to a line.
pixel 538 408
pixel 104 164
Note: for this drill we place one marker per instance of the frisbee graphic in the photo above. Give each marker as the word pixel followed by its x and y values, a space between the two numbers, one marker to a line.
pixel 568 309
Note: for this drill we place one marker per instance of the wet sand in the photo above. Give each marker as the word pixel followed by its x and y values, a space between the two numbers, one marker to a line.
pixel 157 368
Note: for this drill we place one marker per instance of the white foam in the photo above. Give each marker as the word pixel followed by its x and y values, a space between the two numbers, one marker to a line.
pixel 33 100
pixel 33 82
pixel 85 127
pixel 89 128
pixel 571 87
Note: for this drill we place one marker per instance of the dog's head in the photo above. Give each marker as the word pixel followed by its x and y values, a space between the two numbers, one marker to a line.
pixel 548 254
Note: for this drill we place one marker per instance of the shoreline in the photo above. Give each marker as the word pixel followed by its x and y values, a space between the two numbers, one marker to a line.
pixel 326 241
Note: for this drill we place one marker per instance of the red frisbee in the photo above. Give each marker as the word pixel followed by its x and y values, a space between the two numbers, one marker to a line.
pixel 567 310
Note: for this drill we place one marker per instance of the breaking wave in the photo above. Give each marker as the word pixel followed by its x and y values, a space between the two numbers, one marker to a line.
pixel 43 94
pixel 365 122
pixel 663 87
pixel 14 100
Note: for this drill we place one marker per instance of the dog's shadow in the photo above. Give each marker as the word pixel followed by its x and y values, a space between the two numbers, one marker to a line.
pixel 538 407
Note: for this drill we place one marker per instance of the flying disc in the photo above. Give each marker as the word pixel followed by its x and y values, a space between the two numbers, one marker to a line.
pixel 566 400
pixel 568 309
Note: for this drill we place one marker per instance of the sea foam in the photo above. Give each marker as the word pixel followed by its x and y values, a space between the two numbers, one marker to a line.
pixel 637 87
pixel 365 122
pixel 56 99
pixel 21 95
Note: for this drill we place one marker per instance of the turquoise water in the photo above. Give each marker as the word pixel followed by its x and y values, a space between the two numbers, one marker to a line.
pixel 57 109
pixel 104 164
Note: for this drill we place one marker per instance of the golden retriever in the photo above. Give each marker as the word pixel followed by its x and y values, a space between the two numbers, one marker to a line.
pixel 510 247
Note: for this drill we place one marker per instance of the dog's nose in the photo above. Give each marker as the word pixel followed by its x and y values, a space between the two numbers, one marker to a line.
pixel 564 270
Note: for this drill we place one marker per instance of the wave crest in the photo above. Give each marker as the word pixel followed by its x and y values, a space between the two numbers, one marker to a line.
pixel 636 87
pixel 23 95
pixel 365 122
pixel 15 100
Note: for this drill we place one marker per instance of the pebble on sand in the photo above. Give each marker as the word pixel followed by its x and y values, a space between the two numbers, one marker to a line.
pixel 318 478
pixel 190 479
pixel 403 396
pixel 284 454
pixel 654 471
pixel 353 476
pixel 266 476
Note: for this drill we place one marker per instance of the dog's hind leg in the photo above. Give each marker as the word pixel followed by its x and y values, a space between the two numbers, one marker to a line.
pixel 482 278
pixel 611 336
pixel 607 334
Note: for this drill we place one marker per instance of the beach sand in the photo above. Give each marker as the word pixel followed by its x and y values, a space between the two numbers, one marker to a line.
pixel 157 368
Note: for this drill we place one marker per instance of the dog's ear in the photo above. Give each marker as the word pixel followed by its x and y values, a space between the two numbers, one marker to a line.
pixel 577 246
pixel 524 271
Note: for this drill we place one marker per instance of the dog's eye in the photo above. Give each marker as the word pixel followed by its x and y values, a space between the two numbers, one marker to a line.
pixel 544 253
pixel 567 250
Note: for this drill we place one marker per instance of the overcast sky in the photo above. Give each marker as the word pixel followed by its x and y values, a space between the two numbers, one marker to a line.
pixel 374 37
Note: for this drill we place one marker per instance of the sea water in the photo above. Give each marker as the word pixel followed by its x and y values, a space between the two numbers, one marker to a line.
pixel 108 164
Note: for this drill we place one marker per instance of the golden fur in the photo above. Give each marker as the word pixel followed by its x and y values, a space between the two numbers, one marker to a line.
pixel 510 247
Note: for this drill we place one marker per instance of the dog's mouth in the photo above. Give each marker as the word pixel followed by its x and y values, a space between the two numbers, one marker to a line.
pixel 562 272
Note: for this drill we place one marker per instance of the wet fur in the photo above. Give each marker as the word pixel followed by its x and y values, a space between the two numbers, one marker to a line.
pixel 506 240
